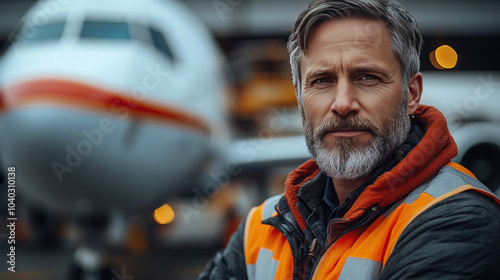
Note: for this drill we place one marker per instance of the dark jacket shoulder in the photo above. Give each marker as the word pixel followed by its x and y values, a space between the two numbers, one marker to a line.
pixel 456 238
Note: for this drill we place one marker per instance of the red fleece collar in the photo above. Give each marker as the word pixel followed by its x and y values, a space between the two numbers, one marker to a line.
pixel 435 150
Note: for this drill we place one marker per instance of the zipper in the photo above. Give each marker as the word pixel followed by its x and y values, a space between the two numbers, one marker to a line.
pixel 330 243
pixel 313 248
pixel 290 232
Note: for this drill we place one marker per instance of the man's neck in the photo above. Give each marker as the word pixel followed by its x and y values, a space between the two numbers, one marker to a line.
pixel 344 187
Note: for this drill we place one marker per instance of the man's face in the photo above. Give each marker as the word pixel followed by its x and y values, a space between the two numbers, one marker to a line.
pixel 352 106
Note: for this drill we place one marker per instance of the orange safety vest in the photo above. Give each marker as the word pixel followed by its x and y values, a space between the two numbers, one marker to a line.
pixel 361 253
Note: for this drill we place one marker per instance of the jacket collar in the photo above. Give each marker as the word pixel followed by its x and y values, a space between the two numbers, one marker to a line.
pixel 435 150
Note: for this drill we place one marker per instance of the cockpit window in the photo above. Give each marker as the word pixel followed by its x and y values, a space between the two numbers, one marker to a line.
pixel 160 43
pixel 105 30
pixel 47 32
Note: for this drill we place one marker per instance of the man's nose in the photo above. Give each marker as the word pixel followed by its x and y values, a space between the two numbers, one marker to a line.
pixel 345 100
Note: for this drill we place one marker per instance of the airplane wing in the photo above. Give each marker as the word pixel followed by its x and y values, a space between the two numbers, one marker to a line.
pixel 263 153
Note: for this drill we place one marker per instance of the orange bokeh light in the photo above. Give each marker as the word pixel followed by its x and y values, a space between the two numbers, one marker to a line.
pixel 164 214
pixel 444 57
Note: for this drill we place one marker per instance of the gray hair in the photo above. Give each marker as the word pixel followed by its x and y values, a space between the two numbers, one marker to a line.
pixel 406 39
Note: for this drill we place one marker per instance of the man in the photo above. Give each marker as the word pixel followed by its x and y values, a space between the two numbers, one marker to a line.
pixel 380 199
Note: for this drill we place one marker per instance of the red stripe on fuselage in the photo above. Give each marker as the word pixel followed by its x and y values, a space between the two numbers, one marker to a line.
pixel 87 97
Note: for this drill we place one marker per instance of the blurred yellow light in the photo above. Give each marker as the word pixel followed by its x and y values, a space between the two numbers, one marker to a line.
pixel 164 214
pixel 444 57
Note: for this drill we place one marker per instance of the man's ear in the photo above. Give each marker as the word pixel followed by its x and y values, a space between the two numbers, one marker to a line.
pixel 414 92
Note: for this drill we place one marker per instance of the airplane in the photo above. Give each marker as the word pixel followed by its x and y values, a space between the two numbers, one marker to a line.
pixel 109 109
pixel 110 82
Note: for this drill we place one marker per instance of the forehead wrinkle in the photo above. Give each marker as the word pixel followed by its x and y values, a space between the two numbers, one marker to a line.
pixel 342 60
pixel 349 66
pixel 370 32
pixel 314 70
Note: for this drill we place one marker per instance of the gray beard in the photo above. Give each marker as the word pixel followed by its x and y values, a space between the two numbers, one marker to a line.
pixel 347 162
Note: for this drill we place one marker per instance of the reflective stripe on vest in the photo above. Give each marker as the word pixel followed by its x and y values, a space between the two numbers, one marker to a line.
pixel 267 252
pixel 361 253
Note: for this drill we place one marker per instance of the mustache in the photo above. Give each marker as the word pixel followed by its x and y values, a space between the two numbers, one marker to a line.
pixel 336 123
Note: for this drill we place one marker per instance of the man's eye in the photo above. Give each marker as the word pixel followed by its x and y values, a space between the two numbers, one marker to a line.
pixel 322 80
pixel 368 77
